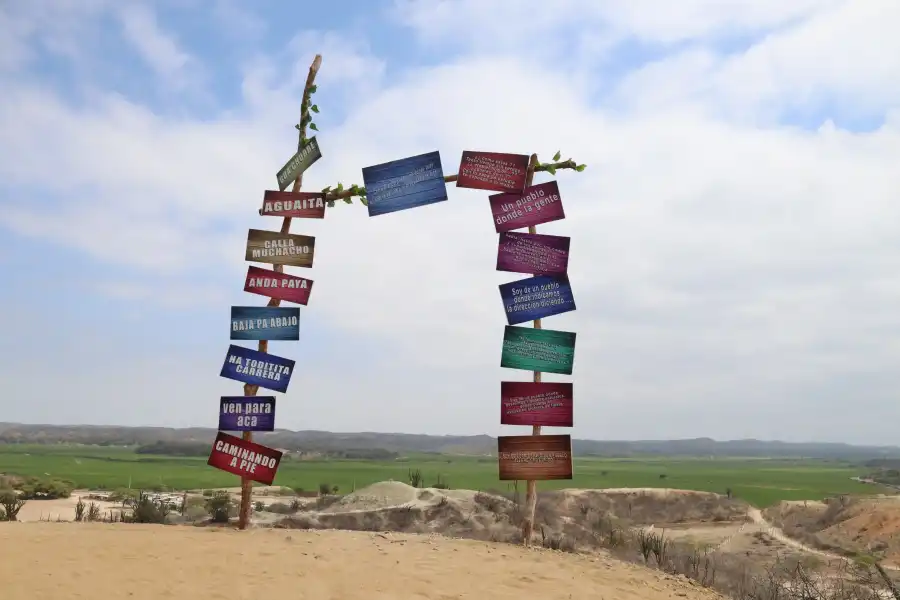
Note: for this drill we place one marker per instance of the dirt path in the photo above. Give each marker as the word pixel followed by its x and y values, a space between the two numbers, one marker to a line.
pixel 756 515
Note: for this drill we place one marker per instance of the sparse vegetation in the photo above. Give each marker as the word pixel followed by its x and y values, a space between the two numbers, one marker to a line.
pixel 415 478
pixel 11 504
pixel 221 507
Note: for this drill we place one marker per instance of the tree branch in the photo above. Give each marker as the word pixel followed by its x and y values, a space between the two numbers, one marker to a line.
pixel 356 191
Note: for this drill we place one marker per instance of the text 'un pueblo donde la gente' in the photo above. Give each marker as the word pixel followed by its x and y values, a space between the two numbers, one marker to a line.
pixel 536 200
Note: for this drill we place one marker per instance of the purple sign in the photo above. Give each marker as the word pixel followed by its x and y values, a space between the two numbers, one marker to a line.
pixel 247 413
pixel 536 298
pixel 533 253
pixel 537 204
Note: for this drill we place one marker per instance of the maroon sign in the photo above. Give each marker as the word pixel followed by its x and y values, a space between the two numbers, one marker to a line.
pixel 298 205
pixel 538 204
pixel 280 286
pixel 493 171
pixel 244 459
pixel 534 253
pixel 526 403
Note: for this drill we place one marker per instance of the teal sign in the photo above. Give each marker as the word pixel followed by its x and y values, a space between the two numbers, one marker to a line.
pixel 543 350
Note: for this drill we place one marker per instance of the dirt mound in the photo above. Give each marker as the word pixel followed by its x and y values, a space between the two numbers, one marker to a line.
pixel 375 497
pixel 641 506
pixel 95 560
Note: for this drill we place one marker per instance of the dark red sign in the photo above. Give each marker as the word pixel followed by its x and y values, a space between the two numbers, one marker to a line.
pixel 282 286
pixel 244 459
pixel 299 205
pixel 526 403
pixel 493 171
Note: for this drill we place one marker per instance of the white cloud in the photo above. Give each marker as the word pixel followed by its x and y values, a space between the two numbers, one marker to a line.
pixel 844 58
pixel 158 48
pixel 732 274
pixel 528 24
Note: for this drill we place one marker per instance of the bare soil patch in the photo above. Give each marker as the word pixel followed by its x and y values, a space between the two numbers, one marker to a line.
pixel 145 562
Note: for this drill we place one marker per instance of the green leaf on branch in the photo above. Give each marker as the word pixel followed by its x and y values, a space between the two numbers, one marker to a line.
pixel 363 201
pixel 313 127
pixel 580 168
pixel 297 127
pixel 339 188
pixel 330 203
pixel 348 200
pixel 314 108
pixel 551 169
pixel 312 90
pixel 557 155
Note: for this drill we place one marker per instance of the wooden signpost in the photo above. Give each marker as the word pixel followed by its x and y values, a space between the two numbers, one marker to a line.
pixel 404 184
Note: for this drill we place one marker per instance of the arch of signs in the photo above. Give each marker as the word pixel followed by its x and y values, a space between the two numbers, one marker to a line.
pixel 516 205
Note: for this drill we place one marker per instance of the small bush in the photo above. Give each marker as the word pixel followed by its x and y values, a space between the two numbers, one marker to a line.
pixel 12 503
pixel 221 507
pixel 147 510
pixel 45 489
pixel 415 478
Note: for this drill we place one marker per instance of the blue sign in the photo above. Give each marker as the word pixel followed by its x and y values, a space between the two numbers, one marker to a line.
pixel 265 323
pixel 257 368
pixel 536 298
pixel 405 183
pixel 247 413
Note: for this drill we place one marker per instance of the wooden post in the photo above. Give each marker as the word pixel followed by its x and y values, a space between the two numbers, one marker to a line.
pixel 251 390
pixel 531 485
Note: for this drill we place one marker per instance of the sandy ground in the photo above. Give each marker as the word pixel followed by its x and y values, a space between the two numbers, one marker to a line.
pixel 68 561
pixel 61 508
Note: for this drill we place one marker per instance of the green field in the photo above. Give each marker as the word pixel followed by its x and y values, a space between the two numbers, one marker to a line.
pixel 761 482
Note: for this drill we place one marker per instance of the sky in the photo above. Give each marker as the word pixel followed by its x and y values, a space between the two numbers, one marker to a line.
pixel 735 253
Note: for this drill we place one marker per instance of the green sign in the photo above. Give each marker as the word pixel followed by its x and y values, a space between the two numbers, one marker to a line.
pixel 299 162
pixel 542 350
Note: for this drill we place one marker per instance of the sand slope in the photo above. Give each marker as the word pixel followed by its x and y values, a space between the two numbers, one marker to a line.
pixel 73 561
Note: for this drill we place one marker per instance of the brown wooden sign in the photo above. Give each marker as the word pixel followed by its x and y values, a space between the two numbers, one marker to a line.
pixel 278 248
pixel 297 205
pixel 535 457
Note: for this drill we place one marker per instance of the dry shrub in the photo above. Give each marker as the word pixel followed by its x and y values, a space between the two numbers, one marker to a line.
pixel 281 508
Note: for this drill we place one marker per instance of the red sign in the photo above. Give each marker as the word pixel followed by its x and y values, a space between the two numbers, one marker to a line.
pixel 525 403
pixel 281 286
pixel 299 205
pixel 244 459
pixel 493 171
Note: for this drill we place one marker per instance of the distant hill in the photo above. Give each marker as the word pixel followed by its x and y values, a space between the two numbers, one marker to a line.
pixel 331 443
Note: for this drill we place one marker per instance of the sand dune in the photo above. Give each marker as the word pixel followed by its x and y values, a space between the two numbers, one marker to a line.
pixel 73 561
